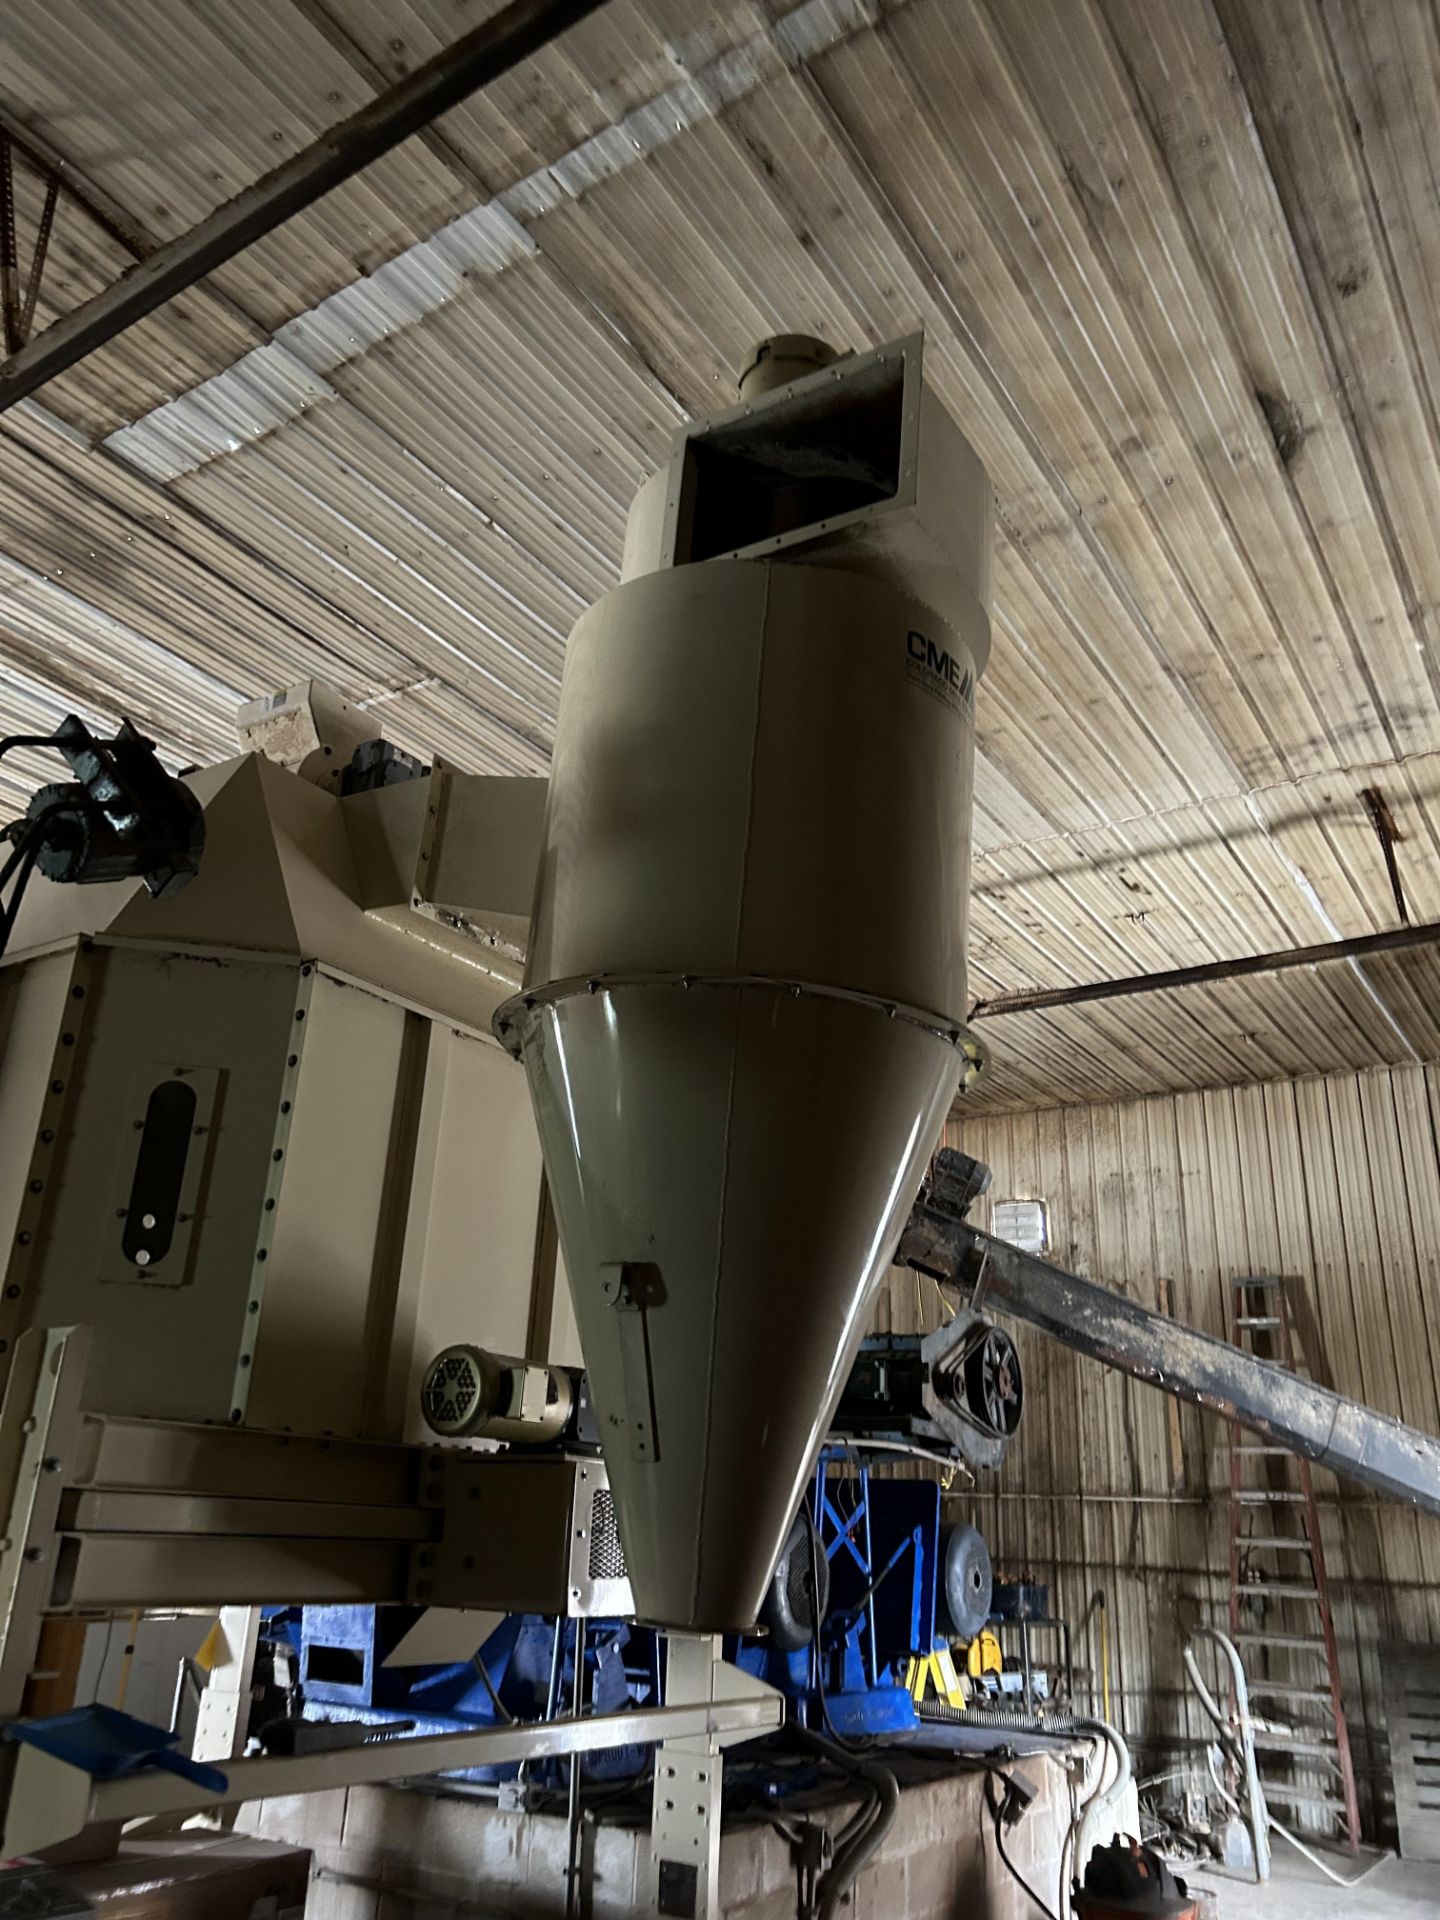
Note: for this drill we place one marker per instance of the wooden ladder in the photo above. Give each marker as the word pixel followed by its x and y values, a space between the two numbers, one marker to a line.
pixel 1280 1615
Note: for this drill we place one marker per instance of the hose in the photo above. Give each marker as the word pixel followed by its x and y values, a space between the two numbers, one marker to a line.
pixel 859 1839
pixel 1260 1818
pixel 846 1868
pixel 1262 1822
pixel 1103 1798
pixel 1340 1879
pixel 1070 1847
pixel 502 1712
pixel 999 1720
pixel 1219 1785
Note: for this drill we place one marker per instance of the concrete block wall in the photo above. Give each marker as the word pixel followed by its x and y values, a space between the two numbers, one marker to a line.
pixel 383 1854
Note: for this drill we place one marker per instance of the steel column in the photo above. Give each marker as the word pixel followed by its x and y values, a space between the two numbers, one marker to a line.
pixel 222 1722
pixel 689 1774
pixel 38 1423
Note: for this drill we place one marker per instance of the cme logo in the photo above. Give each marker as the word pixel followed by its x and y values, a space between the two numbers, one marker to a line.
pixel 938 670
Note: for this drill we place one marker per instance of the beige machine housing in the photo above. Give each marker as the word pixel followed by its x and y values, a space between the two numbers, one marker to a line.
pixel 287 1070
pixel 743 1013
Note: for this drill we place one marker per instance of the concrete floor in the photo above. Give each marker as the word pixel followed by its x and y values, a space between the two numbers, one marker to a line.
pixel 1396 1890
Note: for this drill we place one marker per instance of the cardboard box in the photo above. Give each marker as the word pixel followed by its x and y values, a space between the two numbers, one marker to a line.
pixel 192 1876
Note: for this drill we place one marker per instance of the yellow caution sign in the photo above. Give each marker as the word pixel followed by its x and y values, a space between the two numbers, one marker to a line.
pixel 212 1650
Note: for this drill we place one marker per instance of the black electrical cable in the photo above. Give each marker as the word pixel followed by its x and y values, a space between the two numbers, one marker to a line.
pixel 29 838
pixel 832 1731
pixel 997 1814
pixel 26 853
pixel 859 1823
pixel 863 1834
pixel 812 1535
pixel 478 1662
pixel 16 831
pixel 25 740
pixel 867 1593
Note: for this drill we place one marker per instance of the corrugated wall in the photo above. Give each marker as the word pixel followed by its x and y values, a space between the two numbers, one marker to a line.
pixel 1332 1182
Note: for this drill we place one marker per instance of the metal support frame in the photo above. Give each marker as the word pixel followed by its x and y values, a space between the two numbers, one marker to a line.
pixel 685 1803
pixel 149 1513
pixel 110 1513
pixel 577 1708
pixel 19 298
pixel 1325 1427
pixel 1389 835
pixel 49 1800
pixel 1024 1626
pixel 107 1515
pixel 475 59
pixel 91 199
pixel 836 1532
pixel 223 1719
pixel 41 1408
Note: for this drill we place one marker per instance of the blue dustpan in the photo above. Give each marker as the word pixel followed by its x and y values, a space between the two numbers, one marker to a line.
pixel 108 1744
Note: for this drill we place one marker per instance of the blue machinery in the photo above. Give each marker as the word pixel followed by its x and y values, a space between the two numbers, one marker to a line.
pixel 877 1546
pixel 525 1670
pixel 879 1542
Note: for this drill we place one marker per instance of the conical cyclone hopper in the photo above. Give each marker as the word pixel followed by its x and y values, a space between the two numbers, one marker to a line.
pixel 742 1017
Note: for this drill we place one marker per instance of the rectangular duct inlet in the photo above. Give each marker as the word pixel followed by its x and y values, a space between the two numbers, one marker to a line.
pixel 833 449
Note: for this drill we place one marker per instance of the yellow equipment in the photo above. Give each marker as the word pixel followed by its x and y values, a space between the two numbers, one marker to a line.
pixel 936 1669
pixel 983 1655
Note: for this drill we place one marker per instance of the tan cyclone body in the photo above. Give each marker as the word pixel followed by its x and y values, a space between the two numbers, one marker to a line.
pixel 743 1013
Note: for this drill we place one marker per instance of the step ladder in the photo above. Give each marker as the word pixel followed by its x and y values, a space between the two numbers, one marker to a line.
pixel 1280 1602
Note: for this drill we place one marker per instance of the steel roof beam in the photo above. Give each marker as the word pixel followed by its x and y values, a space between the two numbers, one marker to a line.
pixel 474 61
pixel 1363 946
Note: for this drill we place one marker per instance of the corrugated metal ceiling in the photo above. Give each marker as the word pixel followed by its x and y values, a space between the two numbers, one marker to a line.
pixel 1177 267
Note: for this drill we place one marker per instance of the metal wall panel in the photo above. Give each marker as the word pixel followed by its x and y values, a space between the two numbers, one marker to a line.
pixel 475 1215
pixel 168 1334
pixel 1412 1705
pixel 334 1249
pixel 1332 1182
